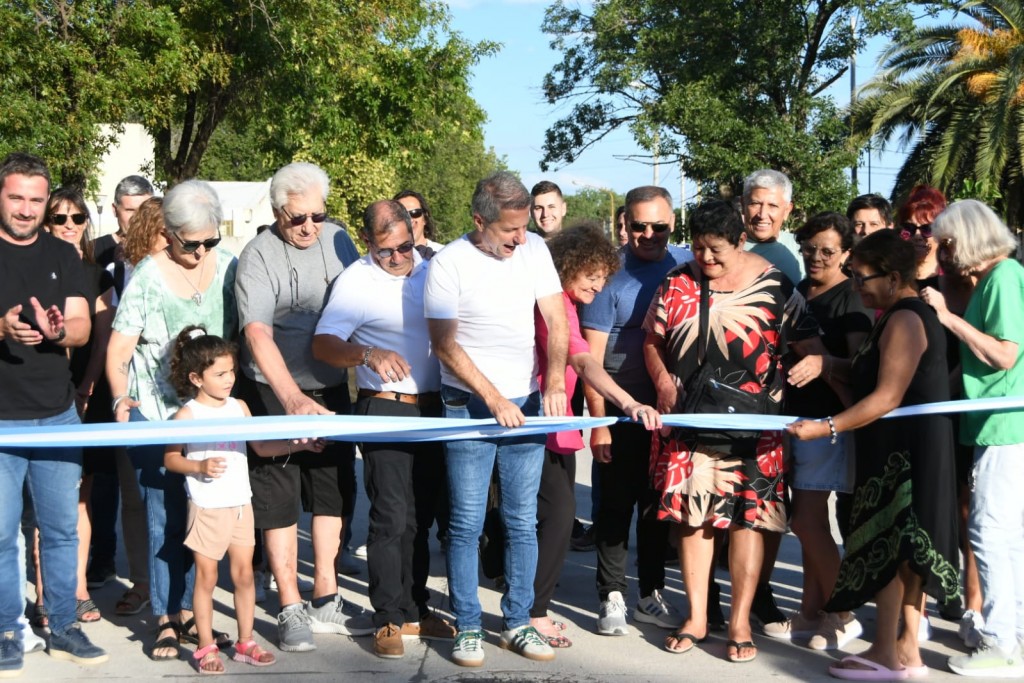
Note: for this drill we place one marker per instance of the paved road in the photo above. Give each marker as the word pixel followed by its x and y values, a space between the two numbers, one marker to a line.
pixel 637 657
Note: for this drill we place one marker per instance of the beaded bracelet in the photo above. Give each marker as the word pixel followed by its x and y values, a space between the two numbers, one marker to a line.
pixel 832 429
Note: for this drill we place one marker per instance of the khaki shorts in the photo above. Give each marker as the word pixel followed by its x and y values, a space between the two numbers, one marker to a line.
pixel 212 530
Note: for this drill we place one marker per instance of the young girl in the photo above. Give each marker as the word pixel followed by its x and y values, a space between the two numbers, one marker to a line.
pixel 217 478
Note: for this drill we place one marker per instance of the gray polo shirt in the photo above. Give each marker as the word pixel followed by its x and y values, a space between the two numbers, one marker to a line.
pixel 287 288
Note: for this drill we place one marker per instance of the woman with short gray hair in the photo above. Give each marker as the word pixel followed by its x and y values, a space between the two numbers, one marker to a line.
pixel 188 283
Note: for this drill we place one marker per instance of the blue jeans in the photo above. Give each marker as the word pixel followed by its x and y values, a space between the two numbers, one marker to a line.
pixel 172 574
pixel 470 464
pixel 996 530
pixel 53 476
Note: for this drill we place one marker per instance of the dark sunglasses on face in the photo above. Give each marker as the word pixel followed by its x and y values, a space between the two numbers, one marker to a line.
pixel 401 249
pixel 62 218
pixel 296 221
pixel 192 246
pixel 415 213
pixel 907 230
pixel 638 226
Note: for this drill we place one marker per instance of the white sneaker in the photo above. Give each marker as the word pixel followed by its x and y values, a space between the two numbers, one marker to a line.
pixel 655 609
pixel 970 628
pixel 270 583
pixel 611 620
pixel 468 649
pixel 30 642
pixel 340 616
pixel 360 552
pixel 528 642
pixel 924 629
pixel 834 632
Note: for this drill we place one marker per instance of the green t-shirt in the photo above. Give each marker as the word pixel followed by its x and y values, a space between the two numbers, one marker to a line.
pixel 996 309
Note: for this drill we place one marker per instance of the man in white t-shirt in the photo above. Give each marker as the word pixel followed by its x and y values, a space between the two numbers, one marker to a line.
pixel 384 337
pixel 479 302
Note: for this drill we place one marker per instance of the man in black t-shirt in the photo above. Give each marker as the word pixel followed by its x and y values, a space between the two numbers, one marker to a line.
pixel 128 197
pixel 45 312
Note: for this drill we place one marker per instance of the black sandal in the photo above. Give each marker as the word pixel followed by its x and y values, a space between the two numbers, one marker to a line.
pixel 188 633
pixel 165 642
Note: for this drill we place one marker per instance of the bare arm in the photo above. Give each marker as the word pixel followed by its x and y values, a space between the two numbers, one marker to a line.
pixel 552 309
pixel 594 375
pixel 119 362
pixel 1000 354
pixel 277 447
pixel 455 358
pixel 600 437
pixel 175 460
pixel 902 344
pixel 339 353
pixel 260 338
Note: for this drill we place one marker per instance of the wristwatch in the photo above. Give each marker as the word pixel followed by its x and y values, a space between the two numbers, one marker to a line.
pixel 60 335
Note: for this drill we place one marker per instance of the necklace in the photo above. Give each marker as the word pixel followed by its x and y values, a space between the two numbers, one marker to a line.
pixel 197 297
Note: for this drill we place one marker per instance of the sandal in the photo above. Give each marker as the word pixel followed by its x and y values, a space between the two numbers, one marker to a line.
pixel 167 642
pixel 739 645
pixel 207 660
pixel 676 643
pixel 187 633
pixel 41 618
pixel 86 611
pixel 557 642
pixel 131 603
pixel 250 652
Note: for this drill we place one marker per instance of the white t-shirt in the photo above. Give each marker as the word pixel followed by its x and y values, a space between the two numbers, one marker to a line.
pixel 230 489
pixel 370 306
pixel 493 301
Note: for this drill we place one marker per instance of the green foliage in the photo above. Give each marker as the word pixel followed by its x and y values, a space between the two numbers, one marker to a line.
pixel 592 204
pixel 726 87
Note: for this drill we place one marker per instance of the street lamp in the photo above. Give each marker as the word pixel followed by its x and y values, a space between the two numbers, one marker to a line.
pixel 101 199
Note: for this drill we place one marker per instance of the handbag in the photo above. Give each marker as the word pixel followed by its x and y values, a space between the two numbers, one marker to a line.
pixel 705 394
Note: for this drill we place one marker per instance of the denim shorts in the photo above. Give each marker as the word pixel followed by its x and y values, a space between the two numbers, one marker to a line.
pixel 818 465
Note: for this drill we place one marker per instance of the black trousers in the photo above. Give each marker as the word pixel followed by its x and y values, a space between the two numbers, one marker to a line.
pixel 403 481
pixel 556 510
pixel 625 485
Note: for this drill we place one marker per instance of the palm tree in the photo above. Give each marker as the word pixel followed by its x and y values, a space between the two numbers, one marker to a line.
pixel 954 95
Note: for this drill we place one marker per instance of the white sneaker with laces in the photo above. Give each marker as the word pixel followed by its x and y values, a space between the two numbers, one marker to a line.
pixel 468 649
pixel 528 642
pixel 611 620
pixel 30 642
pixel 655 609
pixel 270 583
pixel 970 628
pixel 835 632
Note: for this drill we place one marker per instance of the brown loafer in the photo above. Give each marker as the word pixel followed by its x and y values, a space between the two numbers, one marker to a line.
pixel 387 642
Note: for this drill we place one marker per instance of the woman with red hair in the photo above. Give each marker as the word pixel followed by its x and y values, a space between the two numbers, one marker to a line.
pixel 915 225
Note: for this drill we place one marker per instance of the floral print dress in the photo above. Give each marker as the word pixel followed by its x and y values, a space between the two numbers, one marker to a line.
pixel 695 483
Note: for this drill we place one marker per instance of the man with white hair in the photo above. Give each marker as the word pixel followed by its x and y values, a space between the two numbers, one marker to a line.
pixel 767 203
pixel 282 284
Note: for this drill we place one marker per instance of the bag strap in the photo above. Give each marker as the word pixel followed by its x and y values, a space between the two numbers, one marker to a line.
pixel 703 318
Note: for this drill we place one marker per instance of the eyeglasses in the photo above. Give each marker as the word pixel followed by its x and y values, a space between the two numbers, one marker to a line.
pixel 401 249
pixel 62 218
pixel 415 213
pixel 192 246
pixel 300 219
pixel 859 279
pixel 809 250
pixel 639 226
pixel 907 230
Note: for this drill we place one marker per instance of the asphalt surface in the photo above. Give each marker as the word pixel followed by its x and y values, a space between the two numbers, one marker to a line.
pixel 637 657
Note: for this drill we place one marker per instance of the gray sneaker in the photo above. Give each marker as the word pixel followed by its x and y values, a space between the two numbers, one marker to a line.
pixel 293 630
pixel 611 621
pixel 340 616
pixel 655 609
pixel 989 661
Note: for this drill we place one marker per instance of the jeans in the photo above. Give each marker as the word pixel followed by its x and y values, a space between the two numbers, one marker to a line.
pixel 53 476
pixel 172 574
pixel 470 464
pixel 996 530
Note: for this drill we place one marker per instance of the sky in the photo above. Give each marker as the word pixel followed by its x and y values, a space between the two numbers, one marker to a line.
pixel 508 87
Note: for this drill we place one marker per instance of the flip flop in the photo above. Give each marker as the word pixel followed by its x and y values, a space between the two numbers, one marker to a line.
pixel 682 637
pixel 735 658
pixel 873 672
pixel 916 671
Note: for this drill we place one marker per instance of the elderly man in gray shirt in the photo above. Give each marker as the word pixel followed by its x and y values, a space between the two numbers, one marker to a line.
pixel 282 284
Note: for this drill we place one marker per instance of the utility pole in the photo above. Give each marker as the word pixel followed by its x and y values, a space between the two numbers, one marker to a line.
pixel 853 97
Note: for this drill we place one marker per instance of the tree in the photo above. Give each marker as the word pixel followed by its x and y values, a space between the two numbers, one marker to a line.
pixel 592 204
pixel 725 87
pixel 952 95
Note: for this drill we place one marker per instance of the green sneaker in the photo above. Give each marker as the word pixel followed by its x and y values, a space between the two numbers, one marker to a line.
pixel 469 648
pixel 989 661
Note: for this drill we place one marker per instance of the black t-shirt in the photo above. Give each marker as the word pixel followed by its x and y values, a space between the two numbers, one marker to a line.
pixel 104 250
pixel 35 381
pixel 838 311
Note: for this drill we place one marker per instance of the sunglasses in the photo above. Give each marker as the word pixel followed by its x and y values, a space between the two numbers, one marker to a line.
pixel 415 213
pixel 192 246
pixel 401 249
pixel 907 230
pixel 62 218
pixel 809 250
pixel 296 221
pixel 640 226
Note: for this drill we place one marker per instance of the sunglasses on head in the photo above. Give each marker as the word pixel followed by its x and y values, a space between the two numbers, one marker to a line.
pixel 191 246
pixel 62 218
pixel 300 219
pixel 640 226
pixel 907 230
pixel 401 249
pixel 415 213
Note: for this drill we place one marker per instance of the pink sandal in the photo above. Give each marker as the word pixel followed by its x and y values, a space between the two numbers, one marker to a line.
pixel 206 656
pixel 250 652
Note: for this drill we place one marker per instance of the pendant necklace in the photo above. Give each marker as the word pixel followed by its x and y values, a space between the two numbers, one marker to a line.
pixel 197 297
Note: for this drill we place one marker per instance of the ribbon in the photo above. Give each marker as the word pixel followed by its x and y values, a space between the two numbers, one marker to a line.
pixel 396 429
